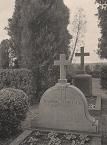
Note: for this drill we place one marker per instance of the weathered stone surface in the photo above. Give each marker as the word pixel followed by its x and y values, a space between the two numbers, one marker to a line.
pixel 65 107
pixel 96 141
pixel 84 83
pixel 62 63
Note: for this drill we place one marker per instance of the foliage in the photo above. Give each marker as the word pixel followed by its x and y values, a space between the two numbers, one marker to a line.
pixel 78 29
pixel 103 78
pixel 4 54
pixel 7 54
pixel 102 15
pixel 96 71
pixel 39 31
pixel 96 74
pixel 13 109
pixel 56 138
pixel 17 78
pixel 88 69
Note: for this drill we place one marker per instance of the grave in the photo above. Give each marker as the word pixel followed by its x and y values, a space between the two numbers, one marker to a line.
pixel 63 110
pixel 84 82
pixel 64 106
pixel 82 54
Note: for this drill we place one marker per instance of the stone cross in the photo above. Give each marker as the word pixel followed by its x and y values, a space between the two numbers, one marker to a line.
pixel 82 54
pixel 62 63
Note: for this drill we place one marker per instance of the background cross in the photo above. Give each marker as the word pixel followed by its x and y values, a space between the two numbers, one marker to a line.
pixel 62 63
pixel 82 54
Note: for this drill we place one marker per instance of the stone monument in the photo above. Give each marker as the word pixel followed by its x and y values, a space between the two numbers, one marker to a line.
pixel 64 107
pixel 82 54
pixel 83 81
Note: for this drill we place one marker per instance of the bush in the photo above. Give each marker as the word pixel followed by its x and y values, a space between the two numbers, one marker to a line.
pixel 13 108
pixel 18 79
pixel 69 78
pixel 103 77
pixel 96 74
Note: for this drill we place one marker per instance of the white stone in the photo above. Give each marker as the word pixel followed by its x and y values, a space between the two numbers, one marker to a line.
pixel 65 107
pixel 62 63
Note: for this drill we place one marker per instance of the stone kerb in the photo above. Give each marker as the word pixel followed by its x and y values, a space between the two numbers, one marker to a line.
pixel 65 107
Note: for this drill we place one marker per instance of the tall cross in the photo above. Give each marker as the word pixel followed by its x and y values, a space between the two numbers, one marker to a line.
pixel 82 54
pixel 62 63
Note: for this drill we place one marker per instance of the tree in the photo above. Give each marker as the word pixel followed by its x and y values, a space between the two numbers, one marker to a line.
pixel 7 52
pixel 39 30
pixel 4 54
pixel 102 16
pixel 78 28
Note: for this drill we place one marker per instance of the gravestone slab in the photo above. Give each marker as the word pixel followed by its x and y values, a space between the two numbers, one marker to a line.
pixel 84 83
pixel 65 107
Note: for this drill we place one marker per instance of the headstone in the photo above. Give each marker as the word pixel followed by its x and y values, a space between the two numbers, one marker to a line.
pixel 83 81
pixel 63 117
pixel 64 107
pixel 82 54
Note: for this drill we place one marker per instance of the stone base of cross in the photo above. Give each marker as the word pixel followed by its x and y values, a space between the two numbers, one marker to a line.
pixel 62 63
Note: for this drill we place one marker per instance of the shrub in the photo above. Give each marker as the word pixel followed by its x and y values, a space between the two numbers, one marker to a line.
pixel 13 108
pixel 103 77
pixel 18 79
pixel 96 74
pixel 69 78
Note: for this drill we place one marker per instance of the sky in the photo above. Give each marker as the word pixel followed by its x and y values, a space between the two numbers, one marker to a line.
pixel 6 10
pixel 92 30
pixel 90 9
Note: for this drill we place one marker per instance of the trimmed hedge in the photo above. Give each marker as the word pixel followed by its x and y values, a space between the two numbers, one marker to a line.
pixel 17 78
pixel 13 108
pixel 103 77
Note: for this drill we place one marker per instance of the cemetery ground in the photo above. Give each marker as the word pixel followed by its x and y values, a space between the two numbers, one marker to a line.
pixel 33 111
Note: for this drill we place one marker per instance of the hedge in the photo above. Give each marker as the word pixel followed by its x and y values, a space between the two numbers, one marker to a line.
pixel 103 77
pixel 13 108
pixel 17 78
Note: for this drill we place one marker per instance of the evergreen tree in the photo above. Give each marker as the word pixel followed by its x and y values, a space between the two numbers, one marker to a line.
pixel 4 54
pixel 39 31
pixel 102 15
pixel 7 54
